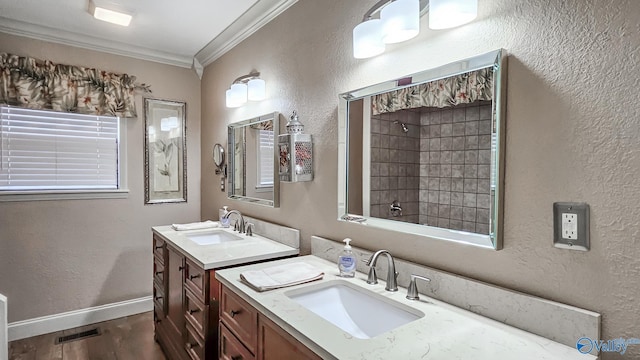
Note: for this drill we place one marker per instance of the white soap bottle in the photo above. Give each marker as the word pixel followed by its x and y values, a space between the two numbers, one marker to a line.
pixel 224 222
pixel 347 261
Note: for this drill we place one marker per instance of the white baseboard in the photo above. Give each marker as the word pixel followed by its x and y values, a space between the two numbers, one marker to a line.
pixel 68 320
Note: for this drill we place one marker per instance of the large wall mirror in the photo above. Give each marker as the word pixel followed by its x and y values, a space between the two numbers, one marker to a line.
pixel 424 154
pixel 252 173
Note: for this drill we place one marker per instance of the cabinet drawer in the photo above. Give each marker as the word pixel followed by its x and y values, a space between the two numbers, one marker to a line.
pixel 158 248
pixel 158 272
pixel 195 280
pixel 240 317
pixel 196 313
pixel 194 344
pixel 231 348
pixel 158 299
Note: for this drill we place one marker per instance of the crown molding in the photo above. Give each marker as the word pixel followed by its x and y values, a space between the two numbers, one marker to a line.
pixel 38 32
pixel 248 23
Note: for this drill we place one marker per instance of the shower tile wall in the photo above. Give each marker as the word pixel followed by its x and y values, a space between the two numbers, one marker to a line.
pixel 455 167
pixel 395 165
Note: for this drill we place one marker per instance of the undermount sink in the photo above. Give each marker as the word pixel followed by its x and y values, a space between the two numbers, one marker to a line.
pixel 357 311
pixel 212 237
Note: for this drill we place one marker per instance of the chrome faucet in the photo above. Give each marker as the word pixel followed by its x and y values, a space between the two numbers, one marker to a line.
pixel 392 275
pixel 241 226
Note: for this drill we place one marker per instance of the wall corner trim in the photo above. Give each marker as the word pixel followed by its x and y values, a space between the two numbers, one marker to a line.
pixel 68 320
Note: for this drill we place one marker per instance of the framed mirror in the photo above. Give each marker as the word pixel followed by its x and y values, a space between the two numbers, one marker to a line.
pixel 424 154
pixel 252 161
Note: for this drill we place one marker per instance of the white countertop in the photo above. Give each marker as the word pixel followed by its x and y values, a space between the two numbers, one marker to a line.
pixel 444 333
pixel 249 249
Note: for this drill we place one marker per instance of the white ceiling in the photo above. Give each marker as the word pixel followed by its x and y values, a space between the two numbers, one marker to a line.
pixel 166 31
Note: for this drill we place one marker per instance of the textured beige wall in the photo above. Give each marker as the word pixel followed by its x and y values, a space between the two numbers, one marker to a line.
pixel 572 135
pixel 57 256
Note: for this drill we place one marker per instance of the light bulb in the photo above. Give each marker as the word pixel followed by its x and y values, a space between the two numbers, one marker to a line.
pixel 400 20
pixel 445 14
pixel 256 90
pixel 367 39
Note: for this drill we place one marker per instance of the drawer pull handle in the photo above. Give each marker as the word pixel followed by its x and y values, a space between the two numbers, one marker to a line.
pixel 159 247
pixel 193 311
pixel 233 313
pixel 191 346
pixel 237 357
pixel 159 272
pixel 194 276
pixel 180 268
pixel 158 297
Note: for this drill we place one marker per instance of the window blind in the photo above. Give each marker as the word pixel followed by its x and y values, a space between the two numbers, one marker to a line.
pixel 47 150
pixel 265 158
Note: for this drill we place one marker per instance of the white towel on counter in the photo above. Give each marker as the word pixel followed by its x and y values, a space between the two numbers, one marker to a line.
pixel 281 276
pixel 196 225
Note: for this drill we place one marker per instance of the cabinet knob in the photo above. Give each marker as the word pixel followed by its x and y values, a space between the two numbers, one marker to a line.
pixel 180 268
pixel 159 247
pixel 158 297
pixel 233 313
pixel 159 272
pixel 191 277
pixel 190 345
pixel 193 311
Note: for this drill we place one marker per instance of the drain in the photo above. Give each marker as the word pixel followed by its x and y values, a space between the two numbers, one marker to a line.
pixel 78 336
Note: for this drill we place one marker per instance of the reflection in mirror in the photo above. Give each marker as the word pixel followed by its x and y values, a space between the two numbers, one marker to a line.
pixel 252 172
pixel 423 154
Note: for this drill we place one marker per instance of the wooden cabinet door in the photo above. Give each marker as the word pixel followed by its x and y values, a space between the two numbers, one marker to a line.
pixel 175 292
pixel 276 344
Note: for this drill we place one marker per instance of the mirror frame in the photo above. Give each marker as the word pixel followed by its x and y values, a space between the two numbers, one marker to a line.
pixel 496 59
pixel 275 117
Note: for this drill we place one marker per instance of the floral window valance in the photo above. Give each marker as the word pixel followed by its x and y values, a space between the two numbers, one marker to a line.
pixel 460 89
pixel 40 84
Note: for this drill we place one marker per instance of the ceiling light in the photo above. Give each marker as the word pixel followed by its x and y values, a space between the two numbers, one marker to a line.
pixel 444 14
pixel 247 87
pixel 111 16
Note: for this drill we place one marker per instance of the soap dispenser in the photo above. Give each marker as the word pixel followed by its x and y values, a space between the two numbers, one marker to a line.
pixel 347 261
pixel 224 220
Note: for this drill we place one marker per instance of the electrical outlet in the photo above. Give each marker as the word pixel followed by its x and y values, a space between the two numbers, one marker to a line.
pixel 571 226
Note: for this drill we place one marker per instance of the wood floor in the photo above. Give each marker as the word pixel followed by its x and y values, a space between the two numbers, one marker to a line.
pixel 129 338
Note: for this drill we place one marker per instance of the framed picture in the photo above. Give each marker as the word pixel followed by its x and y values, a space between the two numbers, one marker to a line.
pixel 165 151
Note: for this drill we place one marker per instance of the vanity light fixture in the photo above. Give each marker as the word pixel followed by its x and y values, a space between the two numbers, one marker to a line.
pixel 247 87
pixel 111 16
pixel 399 21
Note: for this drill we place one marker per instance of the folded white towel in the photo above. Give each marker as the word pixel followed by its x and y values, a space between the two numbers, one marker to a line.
pixel 281 276
pixel 196 225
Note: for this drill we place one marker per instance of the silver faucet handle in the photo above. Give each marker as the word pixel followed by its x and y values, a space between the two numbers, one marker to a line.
pixel 250 229
pixel 412 291
pixel 372 278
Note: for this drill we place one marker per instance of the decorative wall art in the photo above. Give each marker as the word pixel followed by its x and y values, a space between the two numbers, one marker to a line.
pixel 165 155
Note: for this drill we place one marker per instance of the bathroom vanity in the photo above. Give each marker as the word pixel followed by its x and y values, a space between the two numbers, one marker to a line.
pixel 303 322
pixel 186 293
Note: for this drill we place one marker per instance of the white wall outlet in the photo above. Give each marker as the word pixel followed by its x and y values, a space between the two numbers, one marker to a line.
pixel 571 226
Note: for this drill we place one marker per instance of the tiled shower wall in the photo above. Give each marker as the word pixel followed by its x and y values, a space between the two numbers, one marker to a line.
pixel 439 170
pixel 395 165
pixel 455 167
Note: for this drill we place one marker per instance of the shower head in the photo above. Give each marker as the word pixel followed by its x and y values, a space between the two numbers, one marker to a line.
pixel 404 127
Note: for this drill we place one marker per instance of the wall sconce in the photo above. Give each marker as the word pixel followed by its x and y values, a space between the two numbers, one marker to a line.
pixel 295 153
pixel 247 87
pixel 400 21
